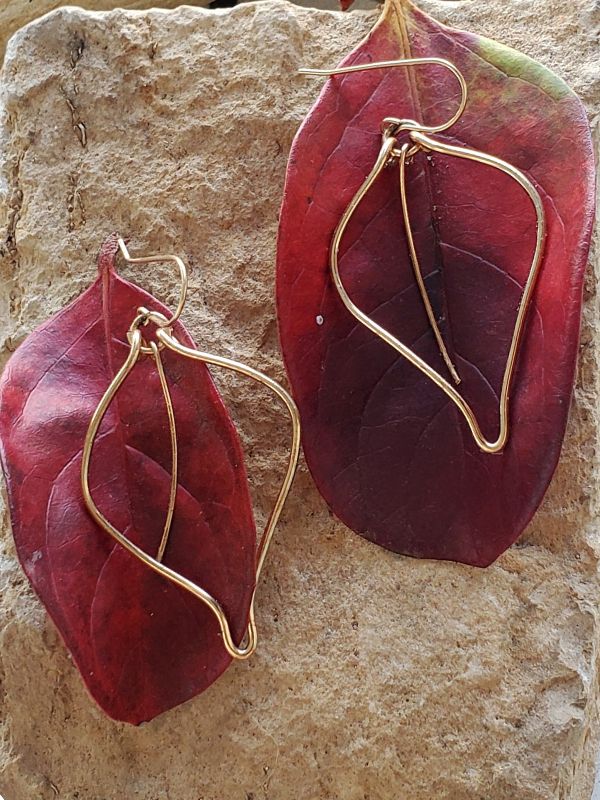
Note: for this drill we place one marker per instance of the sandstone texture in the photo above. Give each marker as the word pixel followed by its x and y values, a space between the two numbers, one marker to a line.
pixel 16 13
pixel 377 677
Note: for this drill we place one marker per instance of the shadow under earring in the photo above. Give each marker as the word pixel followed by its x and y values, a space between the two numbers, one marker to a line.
pixel 128 494
pixel 429 277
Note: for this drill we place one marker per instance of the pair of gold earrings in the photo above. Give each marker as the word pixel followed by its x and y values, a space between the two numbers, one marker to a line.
pixel 129 500
pixel 417 137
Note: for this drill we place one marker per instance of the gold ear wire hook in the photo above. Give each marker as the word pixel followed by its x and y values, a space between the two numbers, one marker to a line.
pixel 393 125
pixel 159 258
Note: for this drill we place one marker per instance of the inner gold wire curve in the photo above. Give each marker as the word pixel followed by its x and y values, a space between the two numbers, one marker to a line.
pixel 405 150
pixel 137 348
pixel 390 152
pixel 173 433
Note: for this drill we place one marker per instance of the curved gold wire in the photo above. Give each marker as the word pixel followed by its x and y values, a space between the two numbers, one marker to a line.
pixel 419 140
pixel 137 348
pixel 393 124
pixel 156 259
pixel 236 366
pixel 148 560
pixel 387 150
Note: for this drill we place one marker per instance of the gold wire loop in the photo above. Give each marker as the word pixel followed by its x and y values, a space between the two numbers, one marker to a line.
pixel 155 317
pixel 158 259
pixel 394 124
pixel 142 318
pixel 387 149
pixel 165 338
pixel 419 140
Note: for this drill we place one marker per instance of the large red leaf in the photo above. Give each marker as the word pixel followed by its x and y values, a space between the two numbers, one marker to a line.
pixel 142 644
pixel 388 450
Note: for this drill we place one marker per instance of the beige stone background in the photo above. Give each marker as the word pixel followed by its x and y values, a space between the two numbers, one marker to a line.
pixel 16 13
pixel 377 677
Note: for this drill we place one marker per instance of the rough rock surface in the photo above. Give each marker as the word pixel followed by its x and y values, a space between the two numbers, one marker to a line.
pixel 16 13
pixel 377 677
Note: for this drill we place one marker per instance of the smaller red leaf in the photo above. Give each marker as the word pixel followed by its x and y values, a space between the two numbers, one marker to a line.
pixel 142 644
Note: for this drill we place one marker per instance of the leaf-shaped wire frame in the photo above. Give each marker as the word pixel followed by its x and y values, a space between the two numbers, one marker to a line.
pixel 165 338
pixel 420 140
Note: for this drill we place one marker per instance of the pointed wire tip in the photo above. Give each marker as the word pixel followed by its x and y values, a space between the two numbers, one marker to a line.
pixel 451 368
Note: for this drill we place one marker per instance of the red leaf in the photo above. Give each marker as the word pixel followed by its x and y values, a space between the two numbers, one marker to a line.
pixel 388 450
pixel 142 644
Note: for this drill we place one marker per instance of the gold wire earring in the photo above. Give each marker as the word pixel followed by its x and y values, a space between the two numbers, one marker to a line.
pixel 419 139
pixel 165 339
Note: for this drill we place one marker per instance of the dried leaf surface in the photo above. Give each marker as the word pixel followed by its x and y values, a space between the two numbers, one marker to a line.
pixel 141 644
pixel 388 450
